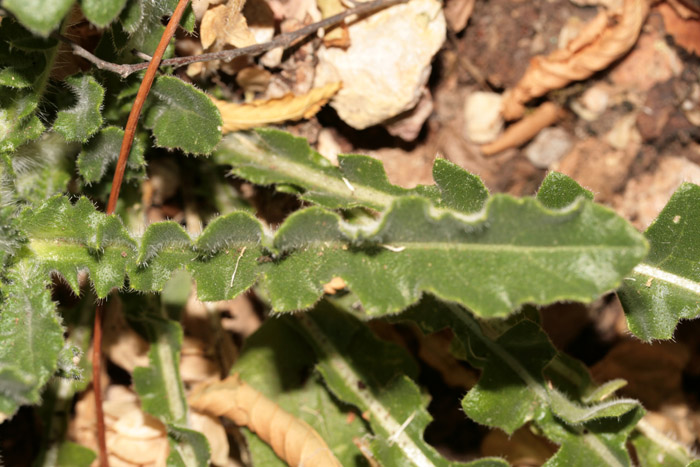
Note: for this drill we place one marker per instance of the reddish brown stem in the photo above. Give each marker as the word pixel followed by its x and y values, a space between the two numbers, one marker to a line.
pixel 97 384
pixel 148 78
pixel 129 133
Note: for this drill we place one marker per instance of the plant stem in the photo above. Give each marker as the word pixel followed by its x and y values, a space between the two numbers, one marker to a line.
pixel 128 140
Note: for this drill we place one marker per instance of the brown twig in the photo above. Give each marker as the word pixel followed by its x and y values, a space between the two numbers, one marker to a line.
pixel 523 131
pixel 129 133
pixel 282 40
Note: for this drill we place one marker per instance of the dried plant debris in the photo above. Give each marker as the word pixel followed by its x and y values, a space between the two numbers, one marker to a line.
pixel 605 39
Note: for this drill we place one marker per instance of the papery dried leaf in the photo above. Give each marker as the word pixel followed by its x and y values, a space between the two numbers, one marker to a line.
pixel 292 439
pixel 259 113
pixel 607 38
pixel 226 24
pixel 524 130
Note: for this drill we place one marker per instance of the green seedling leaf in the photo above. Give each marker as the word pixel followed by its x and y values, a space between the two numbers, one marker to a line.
pixel 273 157
pixel 31 335
pixel 101 12
pixel 39 16
pixel 182 117
pixel 278 362
pixel 82 120
pixel 379 388
pixel 665 287
pixel 510 253
pixel 71 238
pixel 18 123
pixel 103 150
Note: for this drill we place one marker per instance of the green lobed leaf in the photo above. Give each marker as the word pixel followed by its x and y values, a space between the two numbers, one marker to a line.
pixel 31 335
pixel 82 120
pixel 40 16
pixel 19 68
pixel 519 385
pixel 665 287
pixel 459 189
pixel 103 150
pixel 101 12
pixel 379 388
pixel 182 117
pixel 18 123
pixel 269 156
pixel 512 252
pixel 558 191
pixel 69 239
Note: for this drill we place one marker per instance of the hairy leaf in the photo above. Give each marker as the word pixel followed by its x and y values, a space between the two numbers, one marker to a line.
pixel 18 123
pixel 512 252
pixel 31 335
pixel 515 356
pixel 43 167
pixel 665 287
pixel 558 191
pixel 271 156
pixel 69 239
pixel 40 16
pixel 182 117
pixel 380 388
pixel 103 150
pixel 656 450
pixel 101 12
pixel 82 120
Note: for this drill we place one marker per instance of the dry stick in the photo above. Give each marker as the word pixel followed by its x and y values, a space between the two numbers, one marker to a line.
pixel 113 196
pixel 282 40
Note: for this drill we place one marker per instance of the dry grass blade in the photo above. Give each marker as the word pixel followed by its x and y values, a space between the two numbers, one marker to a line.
pixel 289 107
pixel 605 39
pixel 293 440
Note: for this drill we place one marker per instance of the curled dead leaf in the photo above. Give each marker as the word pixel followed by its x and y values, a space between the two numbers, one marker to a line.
pixel 289 107
pixel 524 130
pixel 609 36
pixel 292 439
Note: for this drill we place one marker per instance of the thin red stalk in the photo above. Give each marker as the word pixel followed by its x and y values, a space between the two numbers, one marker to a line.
pixel 139 101
pixel 129 133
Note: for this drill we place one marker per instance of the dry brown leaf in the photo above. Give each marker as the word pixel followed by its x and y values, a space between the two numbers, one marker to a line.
pixel 605 39
pixel 524 130
pixel 337 36
pixel 227 25
pixel 292 439
pixel 289 107
pixel 684 30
